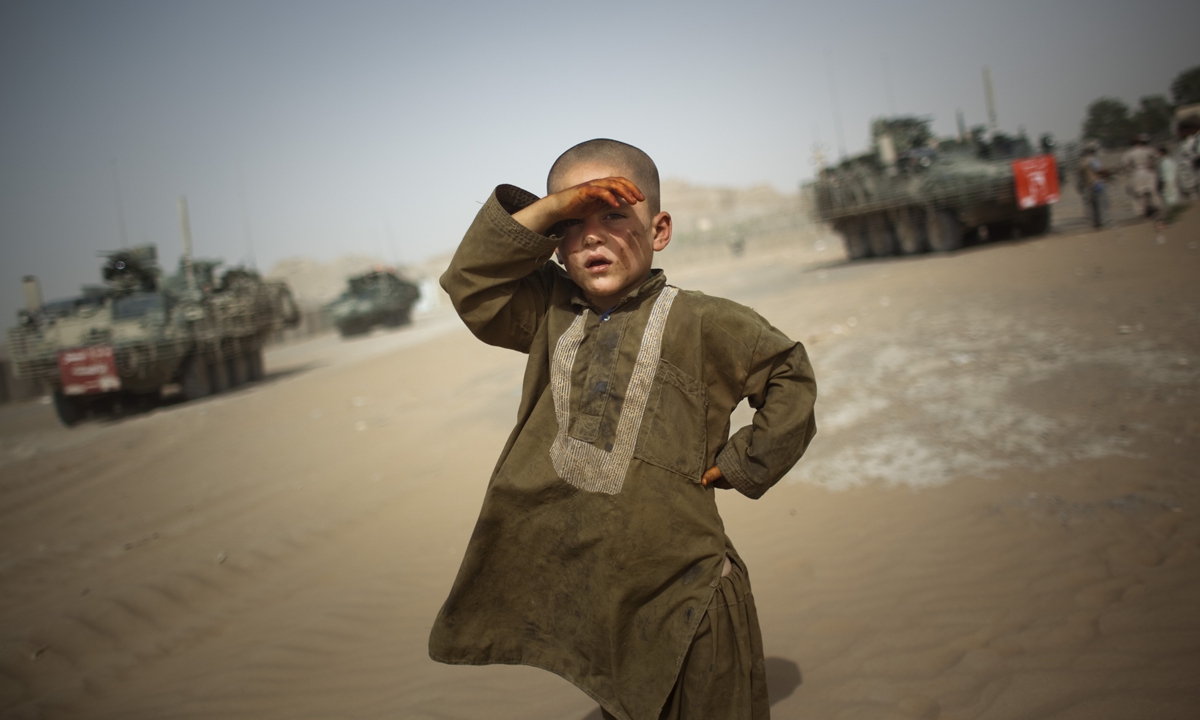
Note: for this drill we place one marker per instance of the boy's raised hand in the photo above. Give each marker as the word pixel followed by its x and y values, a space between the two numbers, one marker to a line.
pixel 578 202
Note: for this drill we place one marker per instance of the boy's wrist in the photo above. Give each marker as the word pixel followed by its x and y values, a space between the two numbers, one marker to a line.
pixel 731 471
pixel 539 216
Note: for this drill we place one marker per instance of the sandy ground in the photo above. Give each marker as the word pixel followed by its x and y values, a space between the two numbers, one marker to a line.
pixel 997 519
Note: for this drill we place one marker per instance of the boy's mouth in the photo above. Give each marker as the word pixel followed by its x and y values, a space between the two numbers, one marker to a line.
pixel 597 264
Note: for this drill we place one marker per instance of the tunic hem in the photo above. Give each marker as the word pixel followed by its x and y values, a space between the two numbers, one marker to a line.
pixel 694 624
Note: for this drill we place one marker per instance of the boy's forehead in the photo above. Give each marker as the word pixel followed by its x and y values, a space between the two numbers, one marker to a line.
pixel 586 170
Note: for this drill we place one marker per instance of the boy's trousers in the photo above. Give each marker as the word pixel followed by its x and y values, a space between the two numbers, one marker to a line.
pixel 724 676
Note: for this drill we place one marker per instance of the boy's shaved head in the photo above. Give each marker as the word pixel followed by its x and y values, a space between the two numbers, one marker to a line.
pixel 634 164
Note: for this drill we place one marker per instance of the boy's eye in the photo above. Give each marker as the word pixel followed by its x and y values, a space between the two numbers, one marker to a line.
pixel 559 228
pixel 615 216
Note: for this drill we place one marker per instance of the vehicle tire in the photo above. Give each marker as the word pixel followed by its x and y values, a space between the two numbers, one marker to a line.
pixel 218 375
pixel 350 329
pixel 854 235
pixel 70 409
pixel 882 236
pixel 396 319
pixel 911 230
pixel 1034 222
pixel 239 369
pixel 254 360
pixel 945 231
pixel 1003 230
pixel 195 382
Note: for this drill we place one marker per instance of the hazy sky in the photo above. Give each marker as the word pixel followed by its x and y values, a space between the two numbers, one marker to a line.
pixel 377 128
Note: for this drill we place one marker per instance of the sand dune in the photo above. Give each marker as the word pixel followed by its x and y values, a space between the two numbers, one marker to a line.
pixel 996 520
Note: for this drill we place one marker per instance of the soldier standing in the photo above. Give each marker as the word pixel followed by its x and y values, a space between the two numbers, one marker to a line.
pixel 1092 186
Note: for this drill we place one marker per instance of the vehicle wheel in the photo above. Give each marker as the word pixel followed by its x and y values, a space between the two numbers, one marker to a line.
pixel 70 409
pixel 350 329
pixel 911 230
pixel 854 235
pixel 1034 222
pixel 218 376
pixel 239 370
pixel 1002 230
pixel 195 382
pixel 882 236
pixel 254 360
pixel 396 319
pixel 945 231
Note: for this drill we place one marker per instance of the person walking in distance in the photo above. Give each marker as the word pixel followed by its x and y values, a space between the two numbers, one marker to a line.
pixel 1141 163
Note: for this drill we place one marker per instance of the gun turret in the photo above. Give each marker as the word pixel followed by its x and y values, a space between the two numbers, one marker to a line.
pixel 132 270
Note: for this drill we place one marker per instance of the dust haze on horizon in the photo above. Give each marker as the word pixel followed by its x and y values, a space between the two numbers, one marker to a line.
pixel 322 129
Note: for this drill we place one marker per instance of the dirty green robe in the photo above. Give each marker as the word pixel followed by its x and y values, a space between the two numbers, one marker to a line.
pixel 597 550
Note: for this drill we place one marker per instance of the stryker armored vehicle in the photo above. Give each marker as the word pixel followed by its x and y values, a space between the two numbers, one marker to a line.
pixel 913 193
pixel 122 342
pixel 379 297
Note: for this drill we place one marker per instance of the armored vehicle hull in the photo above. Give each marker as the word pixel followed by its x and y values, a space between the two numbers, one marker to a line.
pixel 125 342
pixel 914 194
pixel 380 297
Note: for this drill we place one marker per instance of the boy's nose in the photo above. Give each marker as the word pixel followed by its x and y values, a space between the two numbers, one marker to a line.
pixel 592 232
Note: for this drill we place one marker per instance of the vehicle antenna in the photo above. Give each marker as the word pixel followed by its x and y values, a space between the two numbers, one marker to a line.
pixel 120 203
pixel 246 220
pixel 887 81
pixel 391 243
pixel 837 111
pixel 818 150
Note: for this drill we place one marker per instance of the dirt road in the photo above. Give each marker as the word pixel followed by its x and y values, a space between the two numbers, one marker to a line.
pixel 998 518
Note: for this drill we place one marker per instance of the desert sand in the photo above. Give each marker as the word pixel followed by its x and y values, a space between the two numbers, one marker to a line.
pixel 998 518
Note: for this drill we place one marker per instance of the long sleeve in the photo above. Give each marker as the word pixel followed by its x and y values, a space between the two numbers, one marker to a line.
pixel 780 386
pixel 499 279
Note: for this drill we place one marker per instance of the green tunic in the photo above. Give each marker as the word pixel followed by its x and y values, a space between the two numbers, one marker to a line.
pixel 597 549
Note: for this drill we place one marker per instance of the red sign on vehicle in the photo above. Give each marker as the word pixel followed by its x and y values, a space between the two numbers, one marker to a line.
pixel 1037 181
pixel 88 370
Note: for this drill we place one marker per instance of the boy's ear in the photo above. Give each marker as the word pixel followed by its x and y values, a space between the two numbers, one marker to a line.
pixel 662 227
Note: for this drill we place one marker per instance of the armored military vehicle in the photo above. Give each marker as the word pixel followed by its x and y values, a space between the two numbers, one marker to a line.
pixel 122 342
pixel 379 297
pixel 913 193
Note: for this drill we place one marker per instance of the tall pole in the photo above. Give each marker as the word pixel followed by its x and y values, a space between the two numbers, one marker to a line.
pixel 837 110
pixel 991 101
pixel 186 224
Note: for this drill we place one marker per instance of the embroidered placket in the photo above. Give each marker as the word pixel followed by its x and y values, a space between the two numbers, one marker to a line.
pixel 580 463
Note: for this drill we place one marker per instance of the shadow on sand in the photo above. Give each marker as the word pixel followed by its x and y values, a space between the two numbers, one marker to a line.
pixel 783 677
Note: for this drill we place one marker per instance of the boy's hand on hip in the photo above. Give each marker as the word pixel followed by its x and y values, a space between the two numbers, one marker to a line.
pixel 578 202
pixel 713 477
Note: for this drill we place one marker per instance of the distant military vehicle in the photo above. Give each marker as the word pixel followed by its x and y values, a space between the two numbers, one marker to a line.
pixel 913 193
pixel 379 297
pixel 124 341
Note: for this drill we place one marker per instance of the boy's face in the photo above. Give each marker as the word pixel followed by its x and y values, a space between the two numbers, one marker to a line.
pixel 609 253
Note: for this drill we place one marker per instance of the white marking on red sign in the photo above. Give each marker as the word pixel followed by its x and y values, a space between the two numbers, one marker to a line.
pixel 1037 181
pixel 87 370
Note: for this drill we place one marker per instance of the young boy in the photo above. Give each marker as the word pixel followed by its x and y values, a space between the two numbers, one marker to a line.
pixel 599 554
